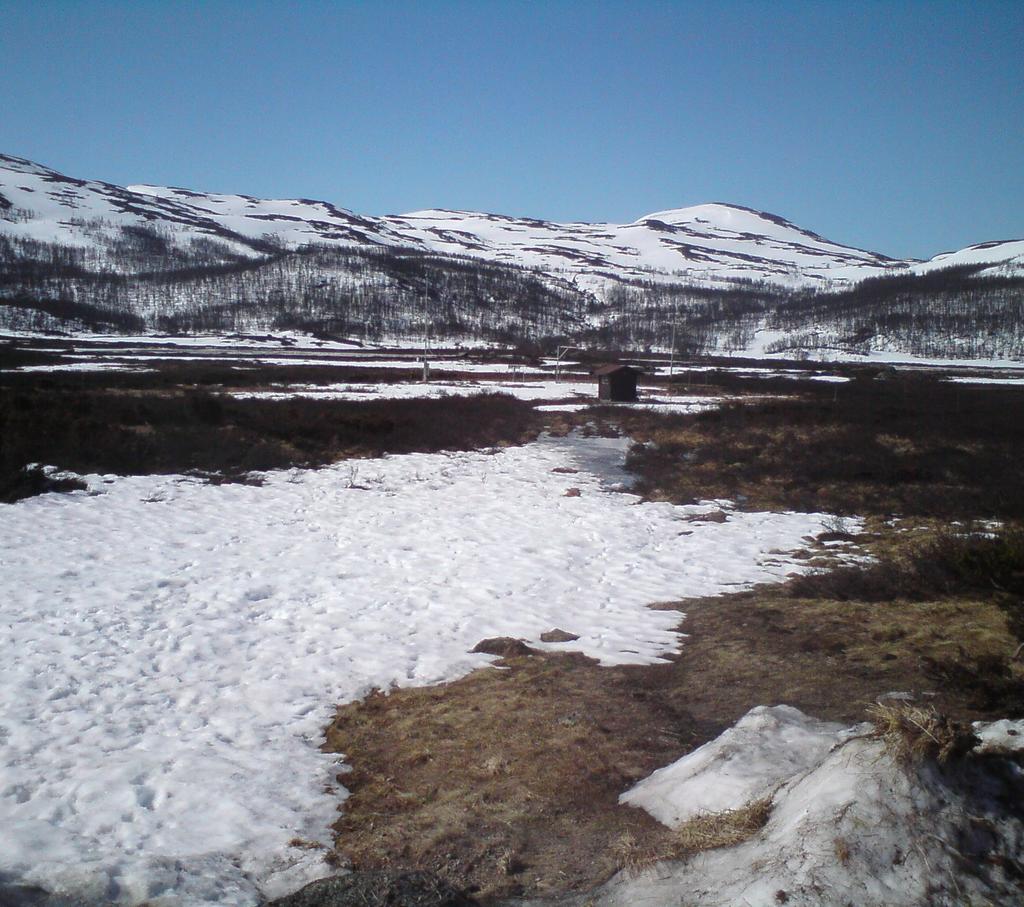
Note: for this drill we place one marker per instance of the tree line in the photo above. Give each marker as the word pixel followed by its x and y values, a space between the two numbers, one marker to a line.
pixel 144 279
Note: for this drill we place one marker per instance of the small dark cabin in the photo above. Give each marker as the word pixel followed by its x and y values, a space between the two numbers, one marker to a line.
pixel 617 383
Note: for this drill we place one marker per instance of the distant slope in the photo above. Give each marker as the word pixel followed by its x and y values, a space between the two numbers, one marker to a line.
pixel 994 259
pixel 707 244
pixel 78 254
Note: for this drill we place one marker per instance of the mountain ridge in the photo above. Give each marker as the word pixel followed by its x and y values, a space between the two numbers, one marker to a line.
pixel 86 255
pixel 711 244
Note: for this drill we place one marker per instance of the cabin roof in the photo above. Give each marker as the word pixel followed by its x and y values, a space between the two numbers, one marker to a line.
pixel 616 368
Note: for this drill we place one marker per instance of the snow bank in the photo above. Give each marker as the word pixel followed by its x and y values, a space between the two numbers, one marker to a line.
pixel 749 761
pixel 847 827
pixel 80 367
pixel 1003 736
pixel 1007 381
pixel 172 650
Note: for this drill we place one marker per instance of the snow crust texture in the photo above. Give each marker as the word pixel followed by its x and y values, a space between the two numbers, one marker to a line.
pixel 172 650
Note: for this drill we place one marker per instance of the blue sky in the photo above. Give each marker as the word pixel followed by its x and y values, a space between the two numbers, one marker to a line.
pixel 892 126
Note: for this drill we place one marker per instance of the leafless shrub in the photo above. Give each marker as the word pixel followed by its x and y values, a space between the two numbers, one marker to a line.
pixel 159 432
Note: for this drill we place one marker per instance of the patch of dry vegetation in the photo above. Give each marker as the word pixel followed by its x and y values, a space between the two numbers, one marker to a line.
pixel 974 573
pixel 830 658
pixel 505 782
pixel 943 564
pixel 706 831
pixel 633 855
pixel 910 445
pixel 709 831
pixel 913 733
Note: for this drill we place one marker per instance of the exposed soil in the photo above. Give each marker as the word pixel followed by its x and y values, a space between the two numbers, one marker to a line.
pixel 376 889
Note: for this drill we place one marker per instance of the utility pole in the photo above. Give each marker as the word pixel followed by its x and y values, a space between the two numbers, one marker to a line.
pixel 562 350
pixel 426 330
pixel 672 350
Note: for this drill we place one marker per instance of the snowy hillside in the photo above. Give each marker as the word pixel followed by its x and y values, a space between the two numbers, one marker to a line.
pixel 703 243
pixel 86 255
pixel 40 204
pixel 998 259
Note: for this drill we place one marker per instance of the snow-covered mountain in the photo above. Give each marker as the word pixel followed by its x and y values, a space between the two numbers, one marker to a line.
pixel 707 245
pixel 38 203
pixel 86 255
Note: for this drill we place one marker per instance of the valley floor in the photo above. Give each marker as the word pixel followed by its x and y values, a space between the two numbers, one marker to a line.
pixel 177 644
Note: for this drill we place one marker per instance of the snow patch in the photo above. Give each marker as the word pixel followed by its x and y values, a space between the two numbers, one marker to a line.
pixel 848 826
pixel 767 746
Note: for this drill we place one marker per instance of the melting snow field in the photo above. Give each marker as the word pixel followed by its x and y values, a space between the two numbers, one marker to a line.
pixel 172 650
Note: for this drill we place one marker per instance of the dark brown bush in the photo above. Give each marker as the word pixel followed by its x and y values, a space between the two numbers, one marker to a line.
pixel 910 446
pixel 138 433
pixel 979 564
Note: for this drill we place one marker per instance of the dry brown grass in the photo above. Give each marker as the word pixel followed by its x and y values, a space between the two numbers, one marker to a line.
pixel 709 831
pixel 830 658
pixel 633 855
pixel 913 734
pixel 908 446
pixel 505 782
